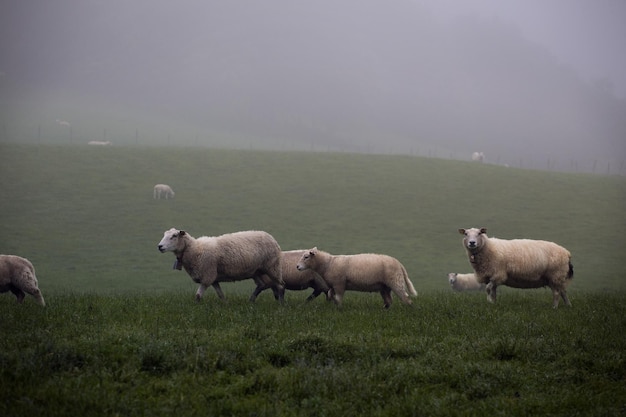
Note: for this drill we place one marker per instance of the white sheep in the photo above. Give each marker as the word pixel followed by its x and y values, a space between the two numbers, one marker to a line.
pixel 518 263
pixel 163 190
pixel 478 157
pixel 99 143
pixel 230 257
pixel 295 280
pixel 464 282
pixel 17 275
pixel 366 272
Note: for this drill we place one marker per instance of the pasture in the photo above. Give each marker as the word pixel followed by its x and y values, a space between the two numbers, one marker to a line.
pixel 122 336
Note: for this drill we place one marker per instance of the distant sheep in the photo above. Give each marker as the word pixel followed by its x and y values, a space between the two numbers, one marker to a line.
pixel 163 190
pixel 464 282
pixel 17 275
pixel 295 280
pixel 366 272
pixel 478 157
pixel 99 143
pixel 518 263
pixel 230 257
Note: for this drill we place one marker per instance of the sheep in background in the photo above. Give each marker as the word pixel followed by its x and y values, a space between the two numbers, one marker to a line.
pixel 99 143
pixel 478 157
pixel 366 272
pixel 17 275
pixel 163 190
pixel 230 257
pixel 464 282
pixel 518 263
pixel 295 280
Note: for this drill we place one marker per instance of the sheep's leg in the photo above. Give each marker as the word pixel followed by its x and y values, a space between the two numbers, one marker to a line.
pixel 556 293
pixel 386 294
pixel 202 288
pixel 565 299
pixel 19 294
pixel 260 287
pixel 491 292
pixel 338 294
pixel 313 295
pixel 217 288
pixel 255 293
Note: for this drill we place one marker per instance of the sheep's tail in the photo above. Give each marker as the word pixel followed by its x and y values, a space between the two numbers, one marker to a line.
pixel 570 273
pixel 408 283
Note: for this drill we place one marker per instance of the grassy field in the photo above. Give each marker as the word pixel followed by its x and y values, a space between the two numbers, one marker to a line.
pixel 448 354
pixel 122 336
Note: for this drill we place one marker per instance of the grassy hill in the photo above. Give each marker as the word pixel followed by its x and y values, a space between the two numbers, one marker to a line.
pixel 86 218
pixel 120 334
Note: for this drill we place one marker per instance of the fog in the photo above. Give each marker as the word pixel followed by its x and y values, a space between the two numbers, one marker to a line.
pixel 529 83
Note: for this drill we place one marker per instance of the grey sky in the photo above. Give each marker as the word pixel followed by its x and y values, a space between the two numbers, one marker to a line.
pixel 517 77
pixel 589 35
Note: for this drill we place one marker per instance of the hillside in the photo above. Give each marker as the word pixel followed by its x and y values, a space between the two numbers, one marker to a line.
pixel 86 218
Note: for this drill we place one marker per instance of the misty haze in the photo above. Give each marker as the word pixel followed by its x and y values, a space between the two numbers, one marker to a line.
pixel 355 76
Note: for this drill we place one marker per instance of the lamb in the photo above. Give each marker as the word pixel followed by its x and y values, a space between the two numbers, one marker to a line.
pixel 295 280
pixel 17 275
pixel 163 190
pixel 464 282
pixel 366 272
pixel 229 257
pixel 518 263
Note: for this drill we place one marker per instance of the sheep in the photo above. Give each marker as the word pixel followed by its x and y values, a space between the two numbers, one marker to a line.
pixel 163 190
pixel 99 143
pixel 295 280
pixel 464 282
pixel 518 263
pixel 17 275
pixel 366 272
pixel 229 257
pixel 478 157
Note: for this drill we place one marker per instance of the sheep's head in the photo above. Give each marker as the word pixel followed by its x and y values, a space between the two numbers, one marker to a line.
pixel 452 278
pixel 170 241
pixel 306 259
pixel 474 238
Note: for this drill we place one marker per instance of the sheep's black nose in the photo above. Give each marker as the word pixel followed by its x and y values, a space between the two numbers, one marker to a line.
pixel 160 247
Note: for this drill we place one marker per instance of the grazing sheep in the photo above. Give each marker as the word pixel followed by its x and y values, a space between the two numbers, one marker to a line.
pixel 99 143
pixel 163 190
pixel 464 282
pixel 366 272
pixel 478 157
pixel 518 263
pixel 295 280
pixel 17 275
pixel 229 257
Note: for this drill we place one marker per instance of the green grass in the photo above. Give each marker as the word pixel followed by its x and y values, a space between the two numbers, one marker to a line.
pixel 121 335
pixel 86 218
pixel 448 354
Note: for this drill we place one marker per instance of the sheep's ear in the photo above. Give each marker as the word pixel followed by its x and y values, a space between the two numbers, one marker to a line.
pixel 313 251
pixel 483 230
pixel 462 231
pixel 181 233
